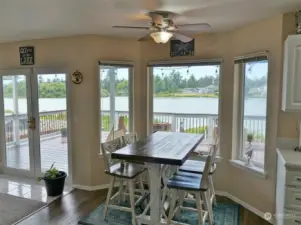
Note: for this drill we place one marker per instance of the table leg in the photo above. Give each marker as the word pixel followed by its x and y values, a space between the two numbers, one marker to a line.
pixel 155 193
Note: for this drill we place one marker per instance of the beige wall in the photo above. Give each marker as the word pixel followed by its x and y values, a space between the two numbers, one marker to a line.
pixel 83 53
pixel 80 53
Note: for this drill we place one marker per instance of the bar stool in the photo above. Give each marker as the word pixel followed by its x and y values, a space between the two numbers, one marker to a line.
pixel 182 183
pixel 196 166
pixel 123 171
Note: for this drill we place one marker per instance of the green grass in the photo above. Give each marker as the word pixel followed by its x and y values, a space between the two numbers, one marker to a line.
pixel 196 130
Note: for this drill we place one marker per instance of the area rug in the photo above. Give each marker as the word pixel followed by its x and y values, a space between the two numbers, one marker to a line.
pixel 13 209
pixel 224 214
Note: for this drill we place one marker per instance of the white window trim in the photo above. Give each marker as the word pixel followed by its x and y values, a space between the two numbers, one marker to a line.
pixel 237 154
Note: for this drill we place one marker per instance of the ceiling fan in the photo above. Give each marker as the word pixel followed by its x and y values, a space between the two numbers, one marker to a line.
pixel 162 27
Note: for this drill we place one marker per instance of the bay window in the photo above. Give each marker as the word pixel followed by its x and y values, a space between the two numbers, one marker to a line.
pixel 184 96
pixel 115 97
pixel 250 107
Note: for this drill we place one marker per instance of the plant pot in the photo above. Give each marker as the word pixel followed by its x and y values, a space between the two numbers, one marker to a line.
pixel 55 187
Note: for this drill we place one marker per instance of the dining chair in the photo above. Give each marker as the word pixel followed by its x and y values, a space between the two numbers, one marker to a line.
pixel 182 183
pixel 197 166
pixel 115 134
pixel 126 173
pixel 130 138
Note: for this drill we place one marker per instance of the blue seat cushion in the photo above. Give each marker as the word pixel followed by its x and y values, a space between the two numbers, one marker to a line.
pixel 186 181
pixel 196 166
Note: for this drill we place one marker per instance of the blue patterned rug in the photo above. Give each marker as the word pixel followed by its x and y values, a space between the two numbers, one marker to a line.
pixel 224 214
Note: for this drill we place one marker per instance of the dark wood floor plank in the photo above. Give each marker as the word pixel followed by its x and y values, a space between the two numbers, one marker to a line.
pixel 69 209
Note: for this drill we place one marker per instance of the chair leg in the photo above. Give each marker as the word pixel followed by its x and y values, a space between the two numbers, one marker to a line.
pixel 208 205
pixel 174 193
pixel 121 190
pixel 112 181
pixel 181 200
pixel 212 190
pixel 132 200
pixel 199 208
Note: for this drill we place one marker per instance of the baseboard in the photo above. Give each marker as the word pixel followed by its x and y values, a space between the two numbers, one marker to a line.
pixel 244 204
pixel 93 188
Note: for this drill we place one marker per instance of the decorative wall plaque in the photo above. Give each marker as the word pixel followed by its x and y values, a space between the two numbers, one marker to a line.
pixel 179 48
pixel 77 77
pixel 26 55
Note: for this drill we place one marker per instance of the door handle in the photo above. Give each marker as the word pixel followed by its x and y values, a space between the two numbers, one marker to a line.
pixel 31 123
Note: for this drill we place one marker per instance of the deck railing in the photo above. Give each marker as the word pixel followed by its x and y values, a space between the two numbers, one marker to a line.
pixel 55 121
pixel 192 123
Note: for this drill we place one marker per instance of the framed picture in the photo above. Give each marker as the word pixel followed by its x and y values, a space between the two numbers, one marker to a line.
pixel 26 55
pixel 179 48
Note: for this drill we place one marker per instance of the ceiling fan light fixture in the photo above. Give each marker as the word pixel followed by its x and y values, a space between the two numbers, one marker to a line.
pixel 161 37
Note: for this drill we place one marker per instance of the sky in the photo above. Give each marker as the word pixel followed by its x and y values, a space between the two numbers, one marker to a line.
pixel 257 71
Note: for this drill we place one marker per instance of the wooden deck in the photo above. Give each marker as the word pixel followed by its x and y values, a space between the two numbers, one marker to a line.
pixel 53 149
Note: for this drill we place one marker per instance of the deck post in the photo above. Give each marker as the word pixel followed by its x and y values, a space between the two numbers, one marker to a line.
pixel 16 123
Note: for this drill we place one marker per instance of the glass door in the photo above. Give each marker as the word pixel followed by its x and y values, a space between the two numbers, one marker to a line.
pixel 52 117
pixel 17 122
pixel 34 121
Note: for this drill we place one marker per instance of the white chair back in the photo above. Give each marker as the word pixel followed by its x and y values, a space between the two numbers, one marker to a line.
pixel 107 148
pixel 208 165
pixel 115 134
pixel 130 138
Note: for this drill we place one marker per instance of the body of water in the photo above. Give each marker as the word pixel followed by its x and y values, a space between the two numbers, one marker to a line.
pixel 253 106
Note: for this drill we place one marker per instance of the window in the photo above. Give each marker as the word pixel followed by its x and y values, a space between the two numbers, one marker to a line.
pixel 250 107
pixel 115 98
pixel 185 98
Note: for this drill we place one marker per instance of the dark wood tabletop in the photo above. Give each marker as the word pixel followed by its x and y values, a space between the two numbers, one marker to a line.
pixel 170 148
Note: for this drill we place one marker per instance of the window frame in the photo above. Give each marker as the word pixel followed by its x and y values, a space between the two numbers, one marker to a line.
pixel 118 64
pixel 199 62
pixel 239 95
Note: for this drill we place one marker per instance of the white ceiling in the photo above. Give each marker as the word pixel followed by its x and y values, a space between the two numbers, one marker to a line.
pixel 32 19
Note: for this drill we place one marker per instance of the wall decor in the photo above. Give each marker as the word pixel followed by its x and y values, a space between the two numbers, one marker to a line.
pixel 298 22
pixel 179 48
pixel 26 55
pixel 77 77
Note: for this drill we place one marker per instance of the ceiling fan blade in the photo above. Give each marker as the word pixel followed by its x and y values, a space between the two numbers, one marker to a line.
pixel 182 37
pixel 144 38
pixel 131 27
pixel 194 27
pixel 140 16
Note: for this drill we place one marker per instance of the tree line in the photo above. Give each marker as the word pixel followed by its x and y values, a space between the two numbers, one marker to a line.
pixel 48 89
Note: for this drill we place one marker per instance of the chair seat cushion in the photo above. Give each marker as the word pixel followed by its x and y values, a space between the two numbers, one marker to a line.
pixel 129 170
pixel 186 181
pixel 196 166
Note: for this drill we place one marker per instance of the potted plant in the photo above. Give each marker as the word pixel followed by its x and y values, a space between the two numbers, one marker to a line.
pixel 54 181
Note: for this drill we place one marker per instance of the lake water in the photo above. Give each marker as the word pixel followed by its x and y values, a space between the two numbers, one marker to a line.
pixel 253 106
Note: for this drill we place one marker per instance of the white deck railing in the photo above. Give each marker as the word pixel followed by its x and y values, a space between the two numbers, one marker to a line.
pixel 55 121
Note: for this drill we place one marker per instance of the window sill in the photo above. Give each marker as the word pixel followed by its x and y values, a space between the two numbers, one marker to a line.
pixel 251 168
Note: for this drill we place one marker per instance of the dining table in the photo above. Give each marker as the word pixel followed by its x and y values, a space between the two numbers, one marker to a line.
pixel 158 149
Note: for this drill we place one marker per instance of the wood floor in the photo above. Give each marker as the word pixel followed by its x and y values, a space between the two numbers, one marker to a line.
pixel 69 209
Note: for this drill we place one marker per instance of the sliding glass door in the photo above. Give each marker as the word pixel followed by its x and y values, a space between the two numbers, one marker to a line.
pixel 115 98
pixel 34 121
